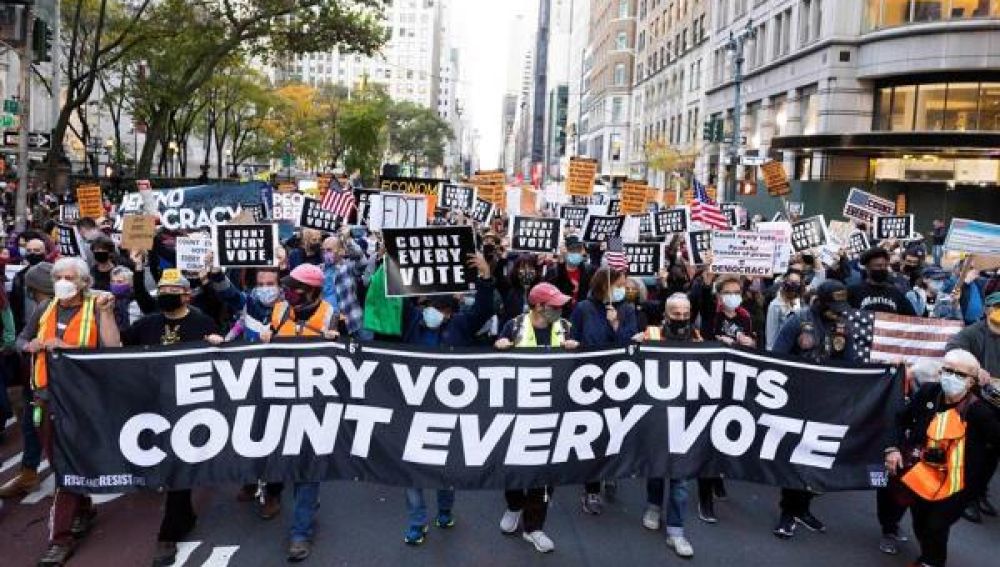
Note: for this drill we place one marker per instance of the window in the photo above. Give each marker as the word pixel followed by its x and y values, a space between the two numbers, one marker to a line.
pixel 616 147
pixel 619 75
pixel 617 110
pixel 962 111
pixel 930 107
pixel 883 109
pixel 938 107
pixel 989 106
pixel 809 109
pixel 623 8
pixel 928 10
pixel 621 42
pixel 779 106
pixel 902 108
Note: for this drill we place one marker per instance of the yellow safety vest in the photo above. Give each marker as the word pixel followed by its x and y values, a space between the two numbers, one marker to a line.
pixel 935 480
pixel 526 333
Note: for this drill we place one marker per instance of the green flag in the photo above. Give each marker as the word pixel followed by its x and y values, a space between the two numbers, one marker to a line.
pixel 383 315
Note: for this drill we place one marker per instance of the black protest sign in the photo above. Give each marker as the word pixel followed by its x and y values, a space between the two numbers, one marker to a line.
pixel 315 216
pixel 482 211
pixel 599 228
pixel 857 243
pixel 579 200
pixel 362 201
pixel 244 245
pixel 428 261
pixel 899 227
pixel 645 224
pixel 69 213
pixel 699 243
pixel 457 197
pixel 731 210
pixel 614 207
pixel 68 243
pixel 644 259
pixel 256 212
pixel 671 221
pixel 538 235
pixel 573 215
pixel 809 233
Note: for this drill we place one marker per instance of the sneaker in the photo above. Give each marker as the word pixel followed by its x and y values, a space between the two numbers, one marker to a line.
pixel 651 517
pixel 415 535
pixel 811 522
pixel 682 547
pixel 55 555
pixel 706 511
pixel 986 507
pixel 445 519
pixel 719 491
pixel 82 523
pixel 165 553
pixel 271 507
pixel 786 526
pixel 298 550
pixel 888 545
pixel 541 541
pixel 592 504
pixel 26 482
pixel 509 521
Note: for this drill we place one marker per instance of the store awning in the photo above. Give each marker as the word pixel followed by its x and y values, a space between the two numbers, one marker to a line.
pixel 874 144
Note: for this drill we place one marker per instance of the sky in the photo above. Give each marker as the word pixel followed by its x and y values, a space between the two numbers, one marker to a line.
pixel 481 29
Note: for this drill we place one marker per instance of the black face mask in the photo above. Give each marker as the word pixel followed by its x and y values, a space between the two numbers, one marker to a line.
pixel 879 276
pixel 34 258
pixel 169 302
pixel 526 278
pixel 102 256
pixel 791 287
pixel 678 329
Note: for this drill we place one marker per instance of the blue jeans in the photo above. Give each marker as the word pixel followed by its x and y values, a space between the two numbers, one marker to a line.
pixel 936 252
pixel 675 505
pixel 416 508
pixel 306 497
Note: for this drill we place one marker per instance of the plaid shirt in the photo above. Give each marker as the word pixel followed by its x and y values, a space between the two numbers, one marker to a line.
pixel 339 288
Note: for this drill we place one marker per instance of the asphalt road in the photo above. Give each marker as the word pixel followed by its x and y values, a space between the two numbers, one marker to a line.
pixel 362 524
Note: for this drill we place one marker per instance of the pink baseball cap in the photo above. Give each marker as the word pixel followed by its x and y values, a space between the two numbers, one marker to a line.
pixel 548 295
pixel 308 274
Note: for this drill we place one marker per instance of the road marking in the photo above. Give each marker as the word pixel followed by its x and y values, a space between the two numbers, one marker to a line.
pixel 10 463
pixel 10 422
pixel 220 556
pixel 105 498
pixel 184 551
pixel 48 488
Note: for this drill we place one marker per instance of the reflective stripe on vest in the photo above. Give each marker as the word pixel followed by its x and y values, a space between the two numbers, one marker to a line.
pixel 81 332
pixel 313 327
pixel 934 481
pixel 526 333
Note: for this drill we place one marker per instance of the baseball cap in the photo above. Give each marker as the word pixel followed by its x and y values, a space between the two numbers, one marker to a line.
pixel 446 301
pixel 173 276
pixel 39 278
pixel 991 299
pixel 306 274
pixel 833 294
pixel 573 241
pixel 548 295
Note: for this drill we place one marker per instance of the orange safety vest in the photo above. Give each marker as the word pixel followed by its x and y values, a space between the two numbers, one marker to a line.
pixel 80 333
pixel 939 480
pixel 284 324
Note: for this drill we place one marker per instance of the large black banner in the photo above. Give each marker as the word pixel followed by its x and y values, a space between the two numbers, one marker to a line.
pixel 185 416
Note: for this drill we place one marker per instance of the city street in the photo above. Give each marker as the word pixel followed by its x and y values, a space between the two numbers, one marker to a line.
pixel 362 524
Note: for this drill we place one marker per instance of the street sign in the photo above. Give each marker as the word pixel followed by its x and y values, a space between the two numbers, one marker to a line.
pixel 36 140
pixel 6 120
pixel 753 160
pixel 11 106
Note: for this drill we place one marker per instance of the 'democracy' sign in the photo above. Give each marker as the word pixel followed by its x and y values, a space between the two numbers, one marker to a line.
pixel 644 260
pixel 573 215
pixel 410 185
pixel 428 261
pixel 864 207
pixel 457 197
pixel 186 416
pixel 287 207
pixel 69 244
pixel 316 217
pixel 600 227
pixel 201 206
pixel 699 244
pixel 743 253
pixel 482 212
pixel 899 227
pixel 671 221
pixel 809 233
pixel 244 246
pixel 535 234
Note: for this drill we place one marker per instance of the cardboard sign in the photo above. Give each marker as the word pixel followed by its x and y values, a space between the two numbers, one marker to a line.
pixel 394 210
pixel 601 227
pixel 634 198
pixel 614 207
pixel 428 261
pixel 899 227
pixel 775 179
pixel 699 243
pixel 857 243
pixel 743 253
pixel 809 233
pixel 671 221
pixel 90 201
pixel 192 250
pixel 457 197
pixel 864 207
pixel 69 242
pixel 535 235
pixel 411 185
pixel 315 216
pixel 839 232
pixel 580 181
pixel 244 245
pixel 482 211
pixel 495 194
pixel 287 207
pixel 138 232
pixel 489 177
pixel 573 215
pixel 644 260
pixel 974 237
pixel 782 232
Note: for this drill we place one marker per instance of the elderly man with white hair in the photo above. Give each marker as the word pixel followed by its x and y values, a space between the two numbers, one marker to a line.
pixel 944 439
pixel 75 318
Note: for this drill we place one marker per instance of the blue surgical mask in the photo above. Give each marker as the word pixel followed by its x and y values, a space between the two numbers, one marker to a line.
pixel 468 300
pixel 22 251
pixel 617 294
pixel 433 318
pixel 953 384
pixel 266 295
pixel 574 258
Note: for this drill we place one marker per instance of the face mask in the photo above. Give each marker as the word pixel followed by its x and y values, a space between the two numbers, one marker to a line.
pixel 732 300
pixel 266 295
pixel 102 256
pixel 912 270
pixel 632 295
pixel 468 300
pixel 791 287
pixel 678 328
pixel 22 251
pixel 551 316
pixel 952 384
pixel 293 296
pixel 879 276
pixel 64 289
pixel 526 277
pixel 168 302
pixel 809 261
pixel 119 289
pixel 329 258
pixel 34 258
pixel 433 318
pixel 935 285
pixel 617 294
pixel 574 259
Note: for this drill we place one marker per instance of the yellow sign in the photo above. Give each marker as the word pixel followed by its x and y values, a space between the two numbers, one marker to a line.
pixel 90 201
pixel 580 181
pixel 634 197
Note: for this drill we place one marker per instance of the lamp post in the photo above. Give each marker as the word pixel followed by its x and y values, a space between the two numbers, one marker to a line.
pixel 109 147
pixel 172 150
pixel 735 44
pixel 230 164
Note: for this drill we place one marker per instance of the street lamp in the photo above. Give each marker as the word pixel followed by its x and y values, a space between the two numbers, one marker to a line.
pixel 230 162
pixel 735 44
pixel 172 149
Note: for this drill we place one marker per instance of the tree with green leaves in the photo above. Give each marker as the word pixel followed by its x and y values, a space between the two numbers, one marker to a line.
pixel 362 130
pixel 417 135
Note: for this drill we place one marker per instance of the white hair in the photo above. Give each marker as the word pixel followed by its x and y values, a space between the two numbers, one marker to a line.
pixel 962 358
pixel 926 370
pixel 73 264
pixel 678 298
pixel 122 272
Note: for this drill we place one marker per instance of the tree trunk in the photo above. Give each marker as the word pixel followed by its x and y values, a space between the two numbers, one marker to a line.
pixel 154 136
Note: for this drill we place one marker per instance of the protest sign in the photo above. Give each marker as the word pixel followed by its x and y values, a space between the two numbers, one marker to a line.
pixel 644 259
pixel 182 416
pixel 809 233
pixel 775 179
pixel 90 201
pixel 573 215
pixel 633 198
pixel 645 224
pixel 69 243
pixel 782 232
pixel 731 210
pixel 973 237
pixel 201 206
pixel 839 232
pixel 600 227
pixel 743 253
pixel 489 177
pixel 580 181
pixel 395 210
pixel 699 243
pixel 482 211
pixel 899 227
pixel 287 187
pixel 69 213
pixel 857 243
pixel 457 197
pixel 244 245
pixel 138 232
pixel 428 261
pixel 630 229
pixel 411 185
pixel 535 234
pixel 316 217
pixel 864 207
pixel 671 221
pixel 287 207
pixel 580 200
pixel 796 208
pixel 192 250
pixel 362 202
pixel 614 207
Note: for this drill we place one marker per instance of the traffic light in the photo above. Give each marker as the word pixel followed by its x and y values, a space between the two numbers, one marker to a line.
pixel 41 42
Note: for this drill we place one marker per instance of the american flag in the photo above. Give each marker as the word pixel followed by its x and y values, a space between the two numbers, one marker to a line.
pixel 886 337
pixel 615 256
pixel 706 211
pixel 338 199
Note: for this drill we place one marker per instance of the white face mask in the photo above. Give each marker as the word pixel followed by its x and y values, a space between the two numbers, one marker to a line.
pixel 953 384
pixel 732 300
pixel 64 289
